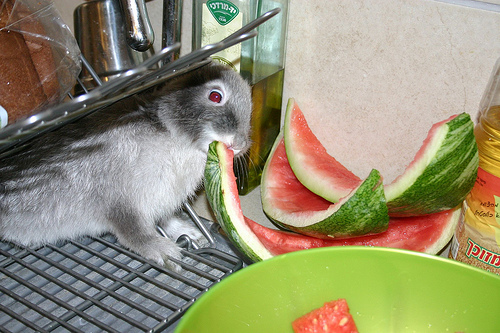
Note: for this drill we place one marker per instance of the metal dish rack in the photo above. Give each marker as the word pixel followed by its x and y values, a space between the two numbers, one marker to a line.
pixel 94 284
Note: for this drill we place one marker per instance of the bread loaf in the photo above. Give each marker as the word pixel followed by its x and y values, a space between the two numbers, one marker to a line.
pixel 20 88
pixel 28 77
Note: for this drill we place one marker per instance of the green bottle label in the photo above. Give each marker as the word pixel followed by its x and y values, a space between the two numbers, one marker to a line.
pixel 223 11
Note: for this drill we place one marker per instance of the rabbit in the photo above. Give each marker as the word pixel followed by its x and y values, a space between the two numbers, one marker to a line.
pixel 126 168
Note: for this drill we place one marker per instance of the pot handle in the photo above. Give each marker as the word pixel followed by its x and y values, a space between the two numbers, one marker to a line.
pixel 140 35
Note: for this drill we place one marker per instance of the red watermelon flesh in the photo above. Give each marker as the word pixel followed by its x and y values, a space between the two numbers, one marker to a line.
pixel 332 317
pixel 310 161
pixel 438 178
pixel 283 191
pixel 427 233
pixel 293 206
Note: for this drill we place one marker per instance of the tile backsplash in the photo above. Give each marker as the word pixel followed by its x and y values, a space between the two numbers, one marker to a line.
pixel 372 76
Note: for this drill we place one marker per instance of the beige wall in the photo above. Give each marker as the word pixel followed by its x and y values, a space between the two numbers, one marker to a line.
pixel 373 76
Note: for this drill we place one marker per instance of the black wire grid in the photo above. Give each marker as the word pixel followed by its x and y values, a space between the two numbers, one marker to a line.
pixel 95 285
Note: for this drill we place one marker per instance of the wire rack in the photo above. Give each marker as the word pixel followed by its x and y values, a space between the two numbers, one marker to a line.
pixel 94 284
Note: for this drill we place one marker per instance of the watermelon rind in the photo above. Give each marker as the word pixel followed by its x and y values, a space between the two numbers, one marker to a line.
pixel 222 195
pixel 442 173
pixel 320 172
pixel 259 243
pixel 446 234
pixel 361 212
pixel 426 233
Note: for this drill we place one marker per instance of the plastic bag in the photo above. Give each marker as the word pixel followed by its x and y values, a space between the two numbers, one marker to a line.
pixel 39 58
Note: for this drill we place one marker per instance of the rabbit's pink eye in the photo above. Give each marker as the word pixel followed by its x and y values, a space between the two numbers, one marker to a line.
pixel 215 96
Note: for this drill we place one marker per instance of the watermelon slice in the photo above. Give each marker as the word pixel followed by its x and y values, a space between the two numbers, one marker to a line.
pixel 312 165
pixel 442 173
pixel 440 176
pixel 429 233
pixel 222 194
pixel 426 233
pixel 332 317
pixel 291 205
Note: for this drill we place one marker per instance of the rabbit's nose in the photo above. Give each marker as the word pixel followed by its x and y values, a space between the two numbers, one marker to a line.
pixel 240 145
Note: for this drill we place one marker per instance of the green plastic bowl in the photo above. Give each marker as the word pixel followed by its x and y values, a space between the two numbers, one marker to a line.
pixel 388 290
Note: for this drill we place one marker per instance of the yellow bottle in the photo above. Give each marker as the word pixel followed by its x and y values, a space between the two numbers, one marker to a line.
pixel 477 237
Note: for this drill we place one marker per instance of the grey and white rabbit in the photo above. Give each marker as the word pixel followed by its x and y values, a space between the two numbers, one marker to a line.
pixel 126 168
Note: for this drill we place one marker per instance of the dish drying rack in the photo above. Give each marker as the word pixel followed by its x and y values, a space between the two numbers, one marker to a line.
pixel 94 284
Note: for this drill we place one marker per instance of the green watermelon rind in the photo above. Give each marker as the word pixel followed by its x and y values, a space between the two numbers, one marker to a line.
pixel 362 212
pixel 228 208
pixel 441 178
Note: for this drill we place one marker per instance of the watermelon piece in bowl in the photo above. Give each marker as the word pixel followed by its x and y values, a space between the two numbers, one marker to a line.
pixel 332 317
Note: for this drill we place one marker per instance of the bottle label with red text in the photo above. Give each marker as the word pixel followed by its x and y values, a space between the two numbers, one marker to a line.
pixel 477 237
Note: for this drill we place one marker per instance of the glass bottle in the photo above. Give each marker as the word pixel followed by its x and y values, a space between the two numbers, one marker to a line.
pixel 260 60
pixel 477 237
